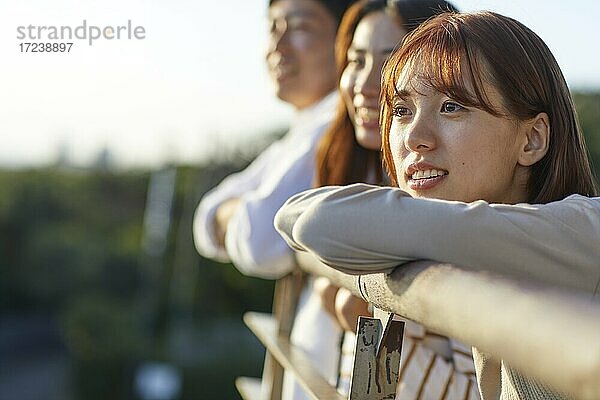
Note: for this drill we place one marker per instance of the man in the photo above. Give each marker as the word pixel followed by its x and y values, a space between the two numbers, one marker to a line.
pixel 234 222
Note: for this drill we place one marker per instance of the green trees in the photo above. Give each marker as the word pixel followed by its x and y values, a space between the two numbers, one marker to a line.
pixel 588 111
pixel 71 248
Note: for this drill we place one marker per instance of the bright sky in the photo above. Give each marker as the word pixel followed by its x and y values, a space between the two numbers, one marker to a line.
pixel 196 84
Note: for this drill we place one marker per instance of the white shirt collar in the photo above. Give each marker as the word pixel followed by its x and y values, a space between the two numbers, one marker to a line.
pixel 318 113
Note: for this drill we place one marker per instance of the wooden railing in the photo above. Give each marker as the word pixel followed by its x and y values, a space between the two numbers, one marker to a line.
pixel 546 332
pixel 274 333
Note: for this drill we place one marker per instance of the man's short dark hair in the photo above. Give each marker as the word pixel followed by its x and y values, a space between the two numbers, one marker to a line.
pixel 336 8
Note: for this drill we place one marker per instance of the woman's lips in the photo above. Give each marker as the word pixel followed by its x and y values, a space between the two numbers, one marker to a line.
pixel 371 125
pixel 425 183
pixel 422 176
pixel 367 118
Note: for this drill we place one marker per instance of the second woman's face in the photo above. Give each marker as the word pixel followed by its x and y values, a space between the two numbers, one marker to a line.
pixel 375 37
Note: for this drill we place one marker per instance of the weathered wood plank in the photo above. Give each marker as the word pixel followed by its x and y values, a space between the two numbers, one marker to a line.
pixel 285 301
pixel 388 358
pixel 291 358
pixel 458 386
pixel 376 359
pixel 441 372
pixel 362 383
pixel 249 388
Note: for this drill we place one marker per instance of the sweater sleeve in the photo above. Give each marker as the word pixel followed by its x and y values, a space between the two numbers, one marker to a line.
pixel 365 229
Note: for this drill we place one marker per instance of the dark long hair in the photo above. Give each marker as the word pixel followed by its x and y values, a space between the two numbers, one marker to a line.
pixel 340 159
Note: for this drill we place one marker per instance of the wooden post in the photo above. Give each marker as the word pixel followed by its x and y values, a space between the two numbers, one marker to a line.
pixel 365 354
pixel 285 300
pixel 376 359
pixel 388 357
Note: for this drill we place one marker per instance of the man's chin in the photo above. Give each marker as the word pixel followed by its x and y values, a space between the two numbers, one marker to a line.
pixel 297 95
pixel 287 94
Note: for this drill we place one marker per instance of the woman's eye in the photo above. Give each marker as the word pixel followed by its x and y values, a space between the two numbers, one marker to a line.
pixel 298 24
pixel 356 61
pixel 450 107
pixel 399 111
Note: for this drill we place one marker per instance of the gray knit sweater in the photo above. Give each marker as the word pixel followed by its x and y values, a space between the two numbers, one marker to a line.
pixel 366 229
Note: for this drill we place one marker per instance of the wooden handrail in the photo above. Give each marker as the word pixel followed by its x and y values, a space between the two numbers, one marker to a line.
pixel 545 332
pixel 290 357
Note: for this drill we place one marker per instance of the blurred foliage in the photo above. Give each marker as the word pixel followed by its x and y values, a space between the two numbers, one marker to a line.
pixel 588 111
pixel 71 247
pixel 67 233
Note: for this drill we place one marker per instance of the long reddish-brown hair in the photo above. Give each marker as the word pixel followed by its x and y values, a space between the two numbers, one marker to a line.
pixel 454 50
pixel 340 159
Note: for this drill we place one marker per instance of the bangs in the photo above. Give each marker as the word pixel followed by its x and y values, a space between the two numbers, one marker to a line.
pixel 438 56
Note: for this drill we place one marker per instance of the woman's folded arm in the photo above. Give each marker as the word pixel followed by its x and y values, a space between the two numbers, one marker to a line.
pixel 363 229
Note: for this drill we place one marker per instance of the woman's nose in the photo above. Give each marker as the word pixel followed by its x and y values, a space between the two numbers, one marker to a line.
pixel 368 82
pixel 419 135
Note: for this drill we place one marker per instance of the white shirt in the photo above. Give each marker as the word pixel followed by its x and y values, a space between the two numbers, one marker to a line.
pixel 285 168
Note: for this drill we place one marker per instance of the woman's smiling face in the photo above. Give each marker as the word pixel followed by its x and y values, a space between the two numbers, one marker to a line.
pixel 442 149
pixel 375 37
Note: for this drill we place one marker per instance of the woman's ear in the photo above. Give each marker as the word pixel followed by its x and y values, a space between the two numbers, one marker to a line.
pixel 536 140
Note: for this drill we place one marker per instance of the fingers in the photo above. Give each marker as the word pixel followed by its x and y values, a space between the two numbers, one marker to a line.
pixel 348 308
pixel 327 293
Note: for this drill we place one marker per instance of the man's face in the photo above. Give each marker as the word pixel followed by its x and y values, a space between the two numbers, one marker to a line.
pixel 300 55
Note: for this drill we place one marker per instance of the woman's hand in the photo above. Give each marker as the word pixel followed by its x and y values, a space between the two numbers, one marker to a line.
pixel 348 308
pixel 222 217
pixel 327 292
pixel 341 304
